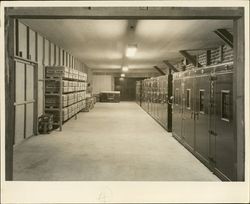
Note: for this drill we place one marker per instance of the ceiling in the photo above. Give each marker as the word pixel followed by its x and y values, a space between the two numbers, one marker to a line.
pixel 101 44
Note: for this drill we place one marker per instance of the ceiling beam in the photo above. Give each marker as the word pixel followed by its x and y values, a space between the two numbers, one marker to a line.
pixel 126 12
pixel 190 58
pixel 226 36
pixel 170 66
pixel 159 70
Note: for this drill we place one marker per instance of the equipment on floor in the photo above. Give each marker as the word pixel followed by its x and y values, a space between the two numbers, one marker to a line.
pixel 45 123
pixel 110 96
pixel 90 102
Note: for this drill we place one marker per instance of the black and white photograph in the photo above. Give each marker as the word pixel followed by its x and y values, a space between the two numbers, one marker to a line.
pixel 125 101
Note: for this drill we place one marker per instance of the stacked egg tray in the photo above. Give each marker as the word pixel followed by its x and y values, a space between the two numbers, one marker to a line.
pixel 65 72
pixel 228 54
pixel 73 86
pixel 202 59
pixel 215 57
pixel 52 101
pixel 68 111
pixel 73 109
pixel 69 86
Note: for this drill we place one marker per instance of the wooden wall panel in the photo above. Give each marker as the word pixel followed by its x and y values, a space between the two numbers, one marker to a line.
pixel 40 72
pixel 46 52
pixel 19 98
pixel 22 40
pixel 40 98
pixel 32 45
pixel 19 123
pixel 39 49
pixel 73 62
pixel 20 82
pixel 65 58
pixel 70 60
pixel 52 54
pixel 57 55
pixel 29 82
pixel 29 120
pixel 61 57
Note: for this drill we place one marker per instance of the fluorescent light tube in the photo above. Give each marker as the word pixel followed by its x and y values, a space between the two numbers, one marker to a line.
pixel 122 75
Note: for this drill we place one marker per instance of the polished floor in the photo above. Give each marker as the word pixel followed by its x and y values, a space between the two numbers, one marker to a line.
pixel 112 142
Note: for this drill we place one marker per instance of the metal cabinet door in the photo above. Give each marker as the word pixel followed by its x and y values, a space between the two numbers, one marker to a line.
pixel 160 115
pixel 150 95
pixel 165 103
pixel 225 143
pixel 157 109
pixel 146 96
pixel 202 100
pixel 150 98
pixel 155 98
pixel 177 108
pixel 188 112
pixel 143 94
pixel 169 88
pixel 160 101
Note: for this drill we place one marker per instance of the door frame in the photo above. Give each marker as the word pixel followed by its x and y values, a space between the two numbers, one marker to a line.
pixel 35 102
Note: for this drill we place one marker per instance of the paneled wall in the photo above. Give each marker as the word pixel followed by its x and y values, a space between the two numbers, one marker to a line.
pixel 35 47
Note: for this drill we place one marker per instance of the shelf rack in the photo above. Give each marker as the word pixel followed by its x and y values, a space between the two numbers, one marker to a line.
pixel 54 90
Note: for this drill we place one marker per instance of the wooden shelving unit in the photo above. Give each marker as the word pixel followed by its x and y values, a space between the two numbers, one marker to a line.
pixel 65 93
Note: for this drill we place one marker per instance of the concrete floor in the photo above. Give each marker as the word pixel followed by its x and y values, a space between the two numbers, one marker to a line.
pixel 114 141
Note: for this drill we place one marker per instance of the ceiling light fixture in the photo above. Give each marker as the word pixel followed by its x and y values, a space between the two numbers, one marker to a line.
pixel 125 68
pixel 122 75
pixel 131 50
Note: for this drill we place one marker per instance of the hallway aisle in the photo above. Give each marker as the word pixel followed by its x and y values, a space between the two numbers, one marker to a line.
pixel 114 141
